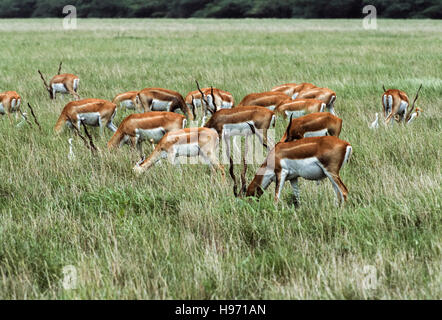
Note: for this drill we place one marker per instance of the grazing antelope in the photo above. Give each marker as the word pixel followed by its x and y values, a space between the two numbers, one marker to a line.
pixel 395 103
pixel 242 121
pixel 299 107
pixel 312 158
pixel 62 83
pixel 159 99
pixel 126 100
pixel 313 125
pixel 188 142
pixel 93 112
pixel 203 98
pixel 324 94
pixel 151 126
pixel 293 89
pixel 268 99
pixel 9 103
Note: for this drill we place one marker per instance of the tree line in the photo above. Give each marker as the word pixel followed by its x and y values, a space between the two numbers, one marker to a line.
pixel 398 9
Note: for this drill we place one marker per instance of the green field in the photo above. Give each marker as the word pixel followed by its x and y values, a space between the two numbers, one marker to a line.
pixel 180 233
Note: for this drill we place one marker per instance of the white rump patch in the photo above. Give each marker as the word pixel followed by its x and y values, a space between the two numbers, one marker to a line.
pixel 2 109
pixel 76 81
pixel 306 168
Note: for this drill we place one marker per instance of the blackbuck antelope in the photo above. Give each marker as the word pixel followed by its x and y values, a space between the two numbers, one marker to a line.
pixel 313 158
pixel 324 94
pixel 93 112
pixel 313 125
pixel 299 107
pixel 159 99
pixel 395 103
pixel 189 142
pixel 9 103
pixel 268 99
pixel 242 121
pixel 62 83
pixel 127 100
pixel 293 89
pixel 213 98
pixel 151 126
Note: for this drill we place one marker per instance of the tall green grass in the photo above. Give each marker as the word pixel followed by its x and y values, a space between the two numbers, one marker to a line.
pixel 180 233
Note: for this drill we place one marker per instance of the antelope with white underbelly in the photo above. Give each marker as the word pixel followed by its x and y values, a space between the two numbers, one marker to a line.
pixel 268 99
pixel 313 125
pixel 395 104
pixel 66 83
pixel 299 107
pixel 313 158
pixel 242 121
pixel 150 126
pixel 326 95
pixel 92 112
pixel 293 89
pixel 212 98
pixel 189 142
pixel 10 102
pixel 159 99
pixel 127 100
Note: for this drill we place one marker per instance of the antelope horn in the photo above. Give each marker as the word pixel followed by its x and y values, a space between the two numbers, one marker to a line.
pixel 202 94
pixel 44 81
pixel 213 98
pixel 383 87
pixel 59 67
pixel 288 128
pixel 414 101
pixel 91 142
pixel 33 115
pixel 77 131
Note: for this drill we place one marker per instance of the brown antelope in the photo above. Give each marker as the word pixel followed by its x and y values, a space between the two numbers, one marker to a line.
pixel 312 158
pixel 299 107
pixel 151 126
pixel 293 89
pixel 190 142
pixel 9 103
pixel 242 121
pixel 126 100
pixel 395 103
pixel 324 94
pixel 62 83
pixel 159 99
pixel 93 112
pixel 313 125
pixel 268 99
pixel 203 98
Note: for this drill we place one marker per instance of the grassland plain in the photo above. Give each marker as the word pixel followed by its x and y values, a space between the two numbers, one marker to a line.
pixel 174 233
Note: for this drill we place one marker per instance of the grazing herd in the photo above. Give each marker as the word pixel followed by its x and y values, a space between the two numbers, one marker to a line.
pixel 310 147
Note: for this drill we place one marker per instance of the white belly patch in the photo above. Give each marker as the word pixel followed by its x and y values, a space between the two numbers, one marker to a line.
pixel 128 104
pixel 189 150
pixel 76 81
pixel 90 118
pixel 59 87
pixel 2 110
pixel 238 129
pixel 271 107
pixel 295 114
pixel 155 134
pixel 318 133
pixel 159 105
pixel 305 168
pixel 226 105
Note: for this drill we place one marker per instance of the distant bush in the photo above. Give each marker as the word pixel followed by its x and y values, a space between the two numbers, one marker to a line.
pixel 223 8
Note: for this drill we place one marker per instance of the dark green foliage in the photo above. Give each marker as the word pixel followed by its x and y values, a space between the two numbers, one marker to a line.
pixel 223 8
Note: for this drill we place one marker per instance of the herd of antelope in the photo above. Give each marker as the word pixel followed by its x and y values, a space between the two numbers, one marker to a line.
pixel 310 147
